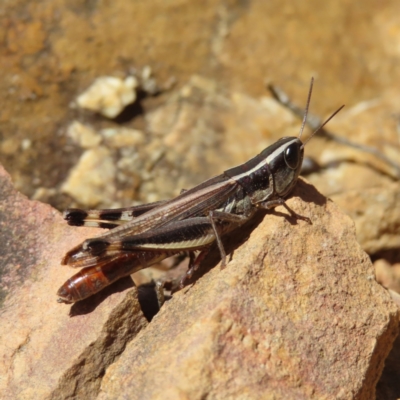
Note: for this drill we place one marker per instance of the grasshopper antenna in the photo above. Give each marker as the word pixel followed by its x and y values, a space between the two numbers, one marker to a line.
pixel 318 129
pixel 303 124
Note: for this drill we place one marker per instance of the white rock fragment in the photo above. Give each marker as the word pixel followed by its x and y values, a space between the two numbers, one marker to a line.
pixel 91 181
pixel 122 137
pixel 147 81
pixel 83 135
pixel 26 144
pixel 109 95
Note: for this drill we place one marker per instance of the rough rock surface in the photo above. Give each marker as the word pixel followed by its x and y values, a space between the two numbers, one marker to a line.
pixel 295 314
pixel 44 351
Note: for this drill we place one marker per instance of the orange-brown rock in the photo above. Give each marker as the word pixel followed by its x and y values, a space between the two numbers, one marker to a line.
pixel 47 349
pixel 295 314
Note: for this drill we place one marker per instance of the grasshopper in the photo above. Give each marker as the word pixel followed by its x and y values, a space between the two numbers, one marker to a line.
pixel 191 222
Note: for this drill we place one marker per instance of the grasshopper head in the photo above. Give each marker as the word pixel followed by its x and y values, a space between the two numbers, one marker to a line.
pixel 284 159
pixel 274 172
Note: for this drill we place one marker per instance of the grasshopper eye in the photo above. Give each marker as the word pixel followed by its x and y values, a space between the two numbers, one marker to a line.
pixel 292 156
